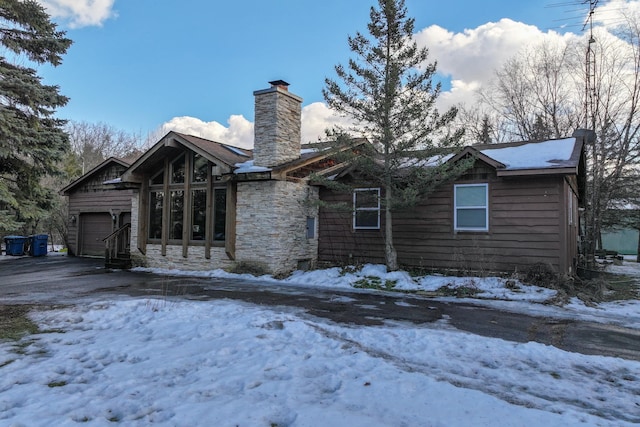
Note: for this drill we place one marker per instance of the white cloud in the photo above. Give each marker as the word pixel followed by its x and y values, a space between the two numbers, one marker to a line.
pixel 616 12
pixel 470 58
pixel 80 13
pixel 316 118
pixel 239 131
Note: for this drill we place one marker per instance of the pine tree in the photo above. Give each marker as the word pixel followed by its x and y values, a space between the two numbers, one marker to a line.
pixel 32 140
pixel 387 90
pixel 485 131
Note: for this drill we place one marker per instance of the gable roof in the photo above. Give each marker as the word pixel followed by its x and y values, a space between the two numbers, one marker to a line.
pixel 554 156
pixel 223 155
pixel 105 164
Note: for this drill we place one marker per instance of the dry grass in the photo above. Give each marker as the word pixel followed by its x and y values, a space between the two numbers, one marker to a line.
pixel 14 322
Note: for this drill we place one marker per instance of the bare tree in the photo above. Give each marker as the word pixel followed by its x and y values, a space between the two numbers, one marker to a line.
pixel 92 143
pixel 534 95
pixel 541 94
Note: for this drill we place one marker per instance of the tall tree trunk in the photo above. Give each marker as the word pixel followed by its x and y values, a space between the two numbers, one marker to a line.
pixel 390 254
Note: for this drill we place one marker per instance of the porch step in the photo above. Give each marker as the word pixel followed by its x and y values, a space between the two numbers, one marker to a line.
pixel 121 263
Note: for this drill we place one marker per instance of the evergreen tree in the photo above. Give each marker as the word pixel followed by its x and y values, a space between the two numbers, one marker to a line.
pixel 388 92
pixel 32 140
pixel 485 131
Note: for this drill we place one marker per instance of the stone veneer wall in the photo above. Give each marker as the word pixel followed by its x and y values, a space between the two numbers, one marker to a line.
pixel 277 127
pixel 195 259
pixel 271 223
pixel 137 259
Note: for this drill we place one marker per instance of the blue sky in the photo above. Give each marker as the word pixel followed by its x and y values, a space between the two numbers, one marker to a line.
pixel 138 64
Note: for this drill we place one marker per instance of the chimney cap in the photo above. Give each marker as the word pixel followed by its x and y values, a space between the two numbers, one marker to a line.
pixel 279 83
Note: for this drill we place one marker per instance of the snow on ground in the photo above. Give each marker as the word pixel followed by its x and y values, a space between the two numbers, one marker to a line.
pixel 170 362
pixel 139 362
pixel 503 293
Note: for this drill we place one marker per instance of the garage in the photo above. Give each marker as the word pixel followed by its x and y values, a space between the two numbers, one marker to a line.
pixel 93 228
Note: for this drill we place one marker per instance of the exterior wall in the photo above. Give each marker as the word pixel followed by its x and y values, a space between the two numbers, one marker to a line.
pixel 271 224
pixel 152 256
pixel 570 222
pixel 195 259
pixel 271 230
pixel 526 226
pixel 93 197
pixel 623 241
pixel 277 127
pixel 137 257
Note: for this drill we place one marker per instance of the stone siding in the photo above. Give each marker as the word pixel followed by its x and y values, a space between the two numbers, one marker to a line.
pixel 137 258
pixel 195 259
pixel 277 127
pixel 271 224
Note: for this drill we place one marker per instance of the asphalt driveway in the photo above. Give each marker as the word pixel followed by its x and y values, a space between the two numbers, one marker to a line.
pixel 67 280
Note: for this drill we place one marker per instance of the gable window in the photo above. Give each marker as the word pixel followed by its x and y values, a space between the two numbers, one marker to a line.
pixel 200 166
pixel 471 206
pixel 191 206
pixel 177 170
pixel 366 209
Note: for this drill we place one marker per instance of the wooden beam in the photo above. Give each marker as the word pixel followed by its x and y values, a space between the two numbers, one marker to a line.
pixel 186 205
pixel 166 205
pixel 230 221
pixel 208 233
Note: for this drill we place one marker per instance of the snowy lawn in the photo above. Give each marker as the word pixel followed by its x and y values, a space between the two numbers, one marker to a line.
pixel 139 362
pixel 170 362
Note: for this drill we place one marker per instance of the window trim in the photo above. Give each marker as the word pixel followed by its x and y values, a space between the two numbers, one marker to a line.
pixel 356 209
pixel 456 208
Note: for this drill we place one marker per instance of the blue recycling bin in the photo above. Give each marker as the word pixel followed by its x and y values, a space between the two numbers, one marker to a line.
pixel 15 245
pixel 38 245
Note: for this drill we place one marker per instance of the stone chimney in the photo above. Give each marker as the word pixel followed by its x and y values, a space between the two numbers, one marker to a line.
pixel 277 125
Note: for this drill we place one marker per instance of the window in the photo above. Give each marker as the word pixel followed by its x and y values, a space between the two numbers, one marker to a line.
pixel 471 207
pixel 187 204
pixel 198 214
pixel 220 214
pixel 156 201
pixel 158 179
pixel 177 170
pixel 200 167
pixel 366 209
pixel 176 220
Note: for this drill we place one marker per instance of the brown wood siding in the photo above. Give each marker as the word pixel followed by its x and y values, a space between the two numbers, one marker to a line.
pixel 92 196
pixel 116 201
pixel 524 228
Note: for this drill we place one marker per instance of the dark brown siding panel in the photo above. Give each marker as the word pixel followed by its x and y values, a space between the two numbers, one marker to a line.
pixel 524 228
pixel 94 201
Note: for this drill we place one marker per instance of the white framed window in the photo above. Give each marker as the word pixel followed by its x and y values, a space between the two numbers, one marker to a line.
pixel 471 207
pixel 366 209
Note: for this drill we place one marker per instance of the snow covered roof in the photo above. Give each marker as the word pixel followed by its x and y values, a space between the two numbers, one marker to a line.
pixel 533 155
pixel 530 157
pixel 249 167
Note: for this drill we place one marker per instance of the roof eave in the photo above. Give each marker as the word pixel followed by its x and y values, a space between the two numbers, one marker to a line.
pixel 172 140
pixel 568 170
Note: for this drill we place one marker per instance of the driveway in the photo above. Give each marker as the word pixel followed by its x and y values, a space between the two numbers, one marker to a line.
pixel 67 280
